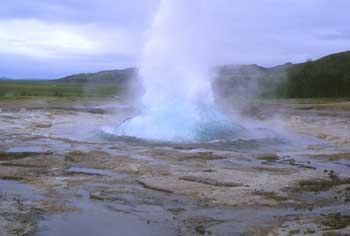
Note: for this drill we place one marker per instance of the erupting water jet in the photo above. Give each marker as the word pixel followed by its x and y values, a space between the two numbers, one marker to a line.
pixel 178 104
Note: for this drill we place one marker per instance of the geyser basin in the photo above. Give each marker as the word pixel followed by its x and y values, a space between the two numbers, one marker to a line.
pixel 180 124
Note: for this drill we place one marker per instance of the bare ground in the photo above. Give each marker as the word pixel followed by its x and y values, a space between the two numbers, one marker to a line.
pixel 74 176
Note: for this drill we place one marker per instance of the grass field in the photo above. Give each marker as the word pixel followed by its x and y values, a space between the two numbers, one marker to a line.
pixel 47 88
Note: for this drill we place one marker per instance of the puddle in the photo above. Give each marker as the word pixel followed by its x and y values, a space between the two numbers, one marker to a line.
pixel 103 219
pixel 9 187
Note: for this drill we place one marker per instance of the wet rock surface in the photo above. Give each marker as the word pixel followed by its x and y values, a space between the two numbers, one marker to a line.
pixel 60 176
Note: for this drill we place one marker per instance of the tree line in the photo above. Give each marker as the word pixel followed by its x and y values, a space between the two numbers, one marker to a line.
pixel 328 77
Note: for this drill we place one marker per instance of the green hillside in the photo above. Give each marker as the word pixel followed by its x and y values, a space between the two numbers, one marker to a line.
pixel 101 84
pixel 235 82
pixel 119 76
pixel 328 77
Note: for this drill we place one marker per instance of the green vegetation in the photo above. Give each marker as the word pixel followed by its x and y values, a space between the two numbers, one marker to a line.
pixel 23 88
pixel 102 84
pixel 327 77
pixel 336 221
pixel 200 229
pixel 319 185
pixel 270 195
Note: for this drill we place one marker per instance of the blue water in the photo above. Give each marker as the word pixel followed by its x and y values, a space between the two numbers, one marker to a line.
pixel 180 124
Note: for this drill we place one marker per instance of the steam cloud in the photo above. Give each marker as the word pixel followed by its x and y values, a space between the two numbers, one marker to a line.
pixel 186 40
pixel 178 102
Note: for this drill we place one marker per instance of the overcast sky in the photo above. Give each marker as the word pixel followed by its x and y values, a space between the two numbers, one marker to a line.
pixel 53 38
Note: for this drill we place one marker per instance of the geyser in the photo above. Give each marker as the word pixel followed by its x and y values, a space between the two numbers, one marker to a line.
pixel 178 104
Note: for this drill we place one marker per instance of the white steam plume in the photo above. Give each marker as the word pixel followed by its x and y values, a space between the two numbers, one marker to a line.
pixel 178 102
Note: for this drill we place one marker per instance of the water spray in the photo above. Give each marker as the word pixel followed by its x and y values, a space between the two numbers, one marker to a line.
pixel 178 104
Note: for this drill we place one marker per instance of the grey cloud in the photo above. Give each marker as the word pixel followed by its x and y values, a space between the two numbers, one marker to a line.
pixel 26 67
pixel 266 32
pixel 131 13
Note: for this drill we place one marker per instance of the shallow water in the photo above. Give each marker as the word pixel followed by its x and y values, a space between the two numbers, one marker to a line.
pixel 14 188
pixel 95 219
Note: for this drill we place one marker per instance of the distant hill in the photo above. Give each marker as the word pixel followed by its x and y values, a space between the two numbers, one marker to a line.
pixel 5 78
pixel 121 83
pixel 102 76
pixel 245 81
pixel 328 77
